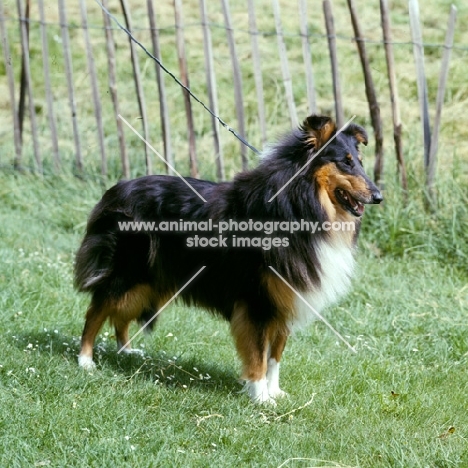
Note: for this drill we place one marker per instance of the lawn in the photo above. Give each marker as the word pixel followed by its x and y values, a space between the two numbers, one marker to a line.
pixel 401 401
pixel 393 404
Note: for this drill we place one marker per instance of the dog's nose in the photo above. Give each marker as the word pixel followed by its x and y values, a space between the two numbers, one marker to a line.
pixel 376 197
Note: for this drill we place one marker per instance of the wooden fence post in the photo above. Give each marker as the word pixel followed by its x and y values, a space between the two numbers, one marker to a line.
pixel 238 95
pixel 212 92
pixel 69 75
pixel 138 85
pixel 418 50
pixel 110 48
pixel 184 78
pixel 311 97
pixel 27 74
pixel 387 37
pixel 48 90
pixel 444 69
pixel 163 108
pixel 94 86
pixel 23 86
pixel 374 108
pixel 257 71
pixel 285 66
pixel 11 88
pixel 327 10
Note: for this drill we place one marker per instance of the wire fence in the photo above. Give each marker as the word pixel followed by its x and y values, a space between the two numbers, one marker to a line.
pixel 256 65
pixel 269 33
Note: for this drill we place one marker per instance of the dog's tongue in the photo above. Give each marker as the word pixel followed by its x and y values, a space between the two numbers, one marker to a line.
pixel 358 207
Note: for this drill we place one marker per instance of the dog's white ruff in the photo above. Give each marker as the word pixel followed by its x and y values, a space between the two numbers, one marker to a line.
pixel 337 265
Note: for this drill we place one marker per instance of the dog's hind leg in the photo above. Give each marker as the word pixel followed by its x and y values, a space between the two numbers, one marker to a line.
pixel 252 345
pixel 121 334
pixel 95 317
pixel 130 307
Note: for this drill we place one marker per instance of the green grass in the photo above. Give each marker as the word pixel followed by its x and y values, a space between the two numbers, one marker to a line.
pixel 179 405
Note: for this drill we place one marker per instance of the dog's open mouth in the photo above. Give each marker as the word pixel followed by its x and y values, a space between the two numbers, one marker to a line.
pixel 349 203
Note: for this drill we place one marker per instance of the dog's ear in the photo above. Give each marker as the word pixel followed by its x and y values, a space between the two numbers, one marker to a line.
pixel 318 129
pixel 357 132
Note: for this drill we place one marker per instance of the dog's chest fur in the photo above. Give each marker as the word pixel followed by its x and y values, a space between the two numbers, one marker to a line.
pixel 336 269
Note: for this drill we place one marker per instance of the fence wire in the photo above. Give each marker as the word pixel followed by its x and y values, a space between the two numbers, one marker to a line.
pixel 188 26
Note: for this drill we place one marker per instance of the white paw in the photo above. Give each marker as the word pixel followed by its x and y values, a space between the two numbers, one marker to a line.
pixel 258 392
pixel 273 379
pixel 277 393
pixel 86 363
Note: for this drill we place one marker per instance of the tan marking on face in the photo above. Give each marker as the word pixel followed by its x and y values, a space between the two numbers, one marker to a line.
pixel 323 176
pixel 349 157
pixel 329 178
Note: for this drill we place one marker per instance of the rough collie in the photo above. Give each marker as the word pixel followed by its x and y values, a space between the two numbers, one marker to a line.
pixel 132 273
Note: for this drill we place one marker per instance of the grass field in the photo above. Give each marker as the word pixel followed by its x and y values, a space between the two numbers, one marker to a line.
pixel 399 402
pixel 392 404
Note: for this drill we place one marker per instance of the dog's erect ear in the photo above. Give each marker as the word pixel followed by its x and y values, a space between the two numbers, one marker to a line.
pixel 318 129
pixel 357 132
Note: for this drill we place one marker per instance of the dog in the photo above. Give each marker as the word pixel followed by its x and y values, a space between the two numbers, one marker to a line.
pixel 314 173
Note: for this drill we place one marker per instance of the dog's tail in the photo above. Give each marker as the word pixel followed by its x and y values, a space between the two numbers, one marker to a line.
pixel 95 257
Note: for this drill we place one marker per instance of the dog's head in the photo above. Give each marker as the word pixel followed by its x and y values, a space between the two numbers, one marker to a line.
pixel 343 186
